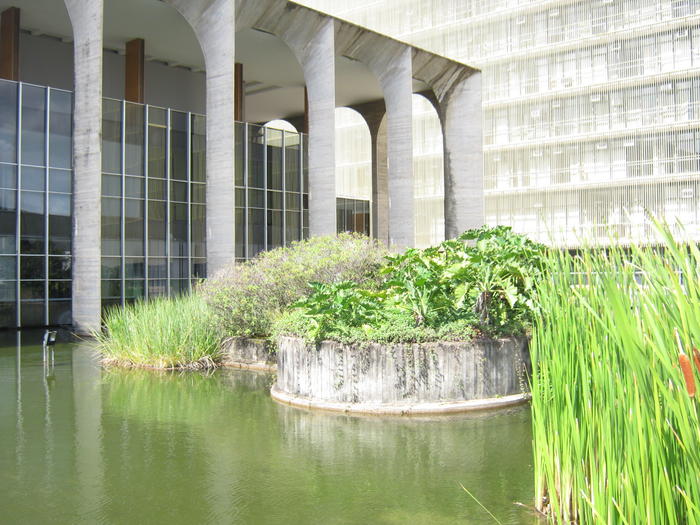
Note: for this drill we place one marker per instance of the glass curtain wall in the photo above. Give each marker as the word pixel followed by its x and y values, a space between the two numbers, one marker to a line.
pixel 35 205
pixel 272 207
pixel 153 201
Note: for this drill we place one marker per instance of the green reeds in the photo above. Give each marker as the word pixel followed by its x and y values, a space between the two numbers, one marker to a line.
pixel 161 333
pixel 616 433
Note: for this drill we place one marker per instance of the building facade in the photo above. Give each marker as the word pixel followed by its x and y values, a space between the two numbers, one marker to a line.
pixel 590 108
pixel 134 160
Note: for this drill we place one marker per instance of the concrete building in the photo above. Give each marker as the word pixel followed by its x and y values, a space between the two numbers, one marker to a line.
pixel 590 107
pixel 134 158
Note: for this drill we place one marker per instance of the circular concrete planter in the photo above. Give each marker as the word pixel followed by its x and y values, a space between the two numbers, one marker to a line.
pixel 406 379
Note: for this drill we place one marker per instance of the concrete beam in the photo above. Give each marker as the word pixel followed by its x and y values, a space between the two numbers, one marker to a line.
pixel 134 82
pixel 87 21
pixel 213 22
pixel 9 44
pixel 239 93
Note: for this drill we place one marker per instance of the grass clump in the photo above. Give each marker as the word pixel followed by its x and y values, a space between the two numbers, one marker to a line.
pixel 247 298
pixel 615 425
pixel 162 333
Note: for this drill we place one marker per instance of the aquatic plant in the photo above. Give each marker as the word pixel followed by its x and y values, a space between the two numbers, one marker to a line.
pixel 615 424
pixel 161 333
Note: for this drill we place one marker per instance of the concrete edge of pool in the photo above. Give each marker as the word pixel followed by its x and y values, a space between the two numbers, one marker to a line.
pixel 377 409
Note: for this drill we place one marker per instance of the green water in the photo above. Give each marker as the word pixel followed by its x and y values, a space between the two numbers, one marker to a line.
pixel 87 445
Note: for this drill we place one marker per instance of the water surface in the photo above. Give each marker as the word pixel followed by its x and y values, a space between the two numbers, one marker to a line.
pixel 80 444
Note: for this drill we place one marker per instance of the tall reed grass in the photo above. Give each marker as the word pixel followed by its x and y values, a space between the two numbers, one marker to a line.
pixel 616 434
pixel 162 333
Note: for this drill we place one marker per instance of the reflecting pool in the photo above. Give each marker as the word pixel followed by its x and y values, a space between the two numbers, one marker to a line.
pixel 81 444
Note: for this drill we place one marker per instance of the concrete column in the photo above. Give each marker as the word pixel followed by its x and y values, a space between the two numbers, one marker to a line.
pixel 213 22
pixel 313 44
pixel 133 71
pixel 87 21
pixel 9 44
pixel 315 51
pixel 380 185
pixel 461 117
pixel 395 76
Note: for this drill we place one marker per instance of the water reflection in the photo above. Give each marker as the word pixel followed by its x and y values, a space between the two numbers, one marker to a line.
pixel 116 446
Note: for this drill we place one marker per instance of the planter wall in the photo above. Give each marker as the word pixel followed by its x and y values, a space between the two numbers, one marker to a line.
pixel 253 354
pixel 402 378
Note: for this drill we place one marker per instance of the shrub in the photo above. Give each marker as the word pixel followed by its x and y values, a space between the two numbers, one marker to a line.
pixel 161 333
pixel 247 298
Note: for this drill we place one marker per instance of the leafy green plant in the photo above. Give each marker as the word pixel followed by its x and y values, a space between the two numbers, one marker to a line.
pixel 343 305
pixel 416 280
pixel 497 275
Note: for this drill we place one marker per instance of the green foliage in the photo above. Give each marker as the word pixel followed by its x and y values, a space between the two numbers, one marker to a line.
pixel 247 298
pixel 484 279
pixel 497 275
pixel 616 434
pixel 161 333
pixel 394 326
pixel 344 305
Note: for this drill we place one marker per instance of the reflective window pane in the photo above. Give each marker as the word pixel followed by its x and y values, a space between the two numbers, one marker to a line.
pixel 59 223
pixel 32 231
pixel 8 121
pixel 33 125
pixel 111 136
pixel 60 129
pixel 134 137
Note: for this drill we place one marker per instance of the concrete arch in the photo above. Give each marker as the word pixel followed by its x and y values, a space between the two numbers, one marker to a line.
pixel 457 91
pixel 213 22
pixel 310 36
pixel 390 62
pixel 282 124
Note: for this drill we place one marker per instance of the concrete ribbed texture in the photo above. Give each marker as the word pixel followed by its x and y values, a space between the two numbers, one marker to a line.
pixel 213 22
pixel 402 374
pixel 87 21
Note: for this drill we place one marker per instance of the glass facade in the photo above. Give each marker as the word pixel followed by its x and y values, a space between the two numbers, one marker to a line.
pixel 35 205
pixel 272 203
pixel 590 107
pixel 153 201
